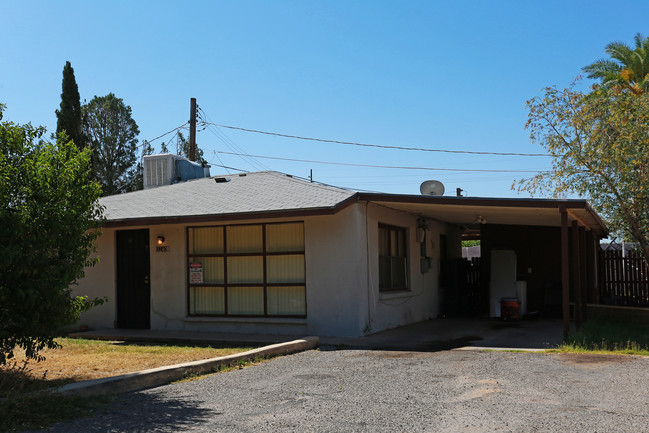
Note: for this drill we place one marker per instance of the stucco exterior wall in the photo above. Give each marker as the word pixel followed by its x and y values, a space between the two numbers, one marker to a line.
pixel 385 310
pixel 342 287
pixel 336 272
pixel 335 275
pixel 99 282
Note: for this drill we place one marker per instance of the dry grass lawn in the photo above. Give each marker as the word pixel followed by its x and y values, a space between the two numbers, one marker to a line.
pixel 79 359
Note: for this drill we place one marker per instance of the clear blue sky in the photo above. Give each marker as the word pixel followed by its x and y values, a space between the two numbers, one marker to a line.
pixel 433 74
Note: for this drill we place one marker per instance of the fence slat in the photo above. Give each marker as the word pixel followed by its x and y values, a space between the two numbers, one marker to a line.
pixel 624 280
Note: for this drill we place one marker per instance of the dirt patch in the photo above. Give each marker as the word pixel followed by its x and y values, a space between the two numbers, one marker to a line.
pixel 592 360
pixel 488 382
pixel 488 386
pixel 395 354
pixel 477 393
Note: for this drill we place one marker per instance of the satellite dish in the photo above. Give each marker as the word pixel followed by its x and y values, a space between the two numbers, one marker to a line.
pixel 432 187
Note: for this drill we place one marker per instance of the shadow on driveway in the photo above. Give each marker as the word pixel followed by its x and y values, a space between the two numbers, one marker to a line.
pixel 446 334
pixel 142 412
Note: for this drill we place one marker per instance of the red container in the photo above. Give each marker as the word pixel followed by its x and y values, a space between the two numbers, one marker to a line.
pixel 510 308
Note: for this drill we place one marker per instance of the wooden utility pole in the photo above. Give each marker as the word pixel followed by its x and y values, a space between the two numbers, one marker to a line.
pixel 192 129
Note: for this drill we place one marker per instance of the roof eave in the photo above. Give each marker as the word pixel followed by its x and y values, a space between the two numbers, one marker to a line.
pixel 195 219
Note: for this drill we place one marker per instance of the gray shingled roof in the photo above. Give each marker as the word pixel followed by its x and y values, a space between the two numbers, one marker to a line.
pixel 265 191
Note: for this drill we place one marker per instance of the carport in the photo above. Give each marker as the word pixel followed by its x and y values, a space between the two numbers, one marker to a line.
pixel 555 243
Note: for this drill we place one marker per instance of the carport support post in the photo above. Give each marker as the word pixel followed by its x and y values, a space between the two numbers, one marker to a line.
pixel 576 273
pixel 593 262
pixel 565 273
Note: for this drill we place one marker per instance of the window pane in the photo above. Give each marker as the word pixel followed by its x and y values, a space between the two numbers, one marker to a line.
pixel 384 272
pixel 206 300
pixel 246 269
pixel 246 300
pixel 384 241
pixel 286 301
pixel 398 270
pixel 212 269
pixel 401 243
pixel 244 239
pixel 206 240
pixel 393 267
pixel 285 237
pixel 285 269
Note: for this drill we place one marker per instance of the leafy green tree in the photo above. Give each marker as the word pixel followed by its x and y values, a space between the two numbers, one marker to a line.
pixel 182 149
pixel 69 117
pixel 600 148
pixel 138 181
pixel 48 218
pixel 112 134
pixel 627 69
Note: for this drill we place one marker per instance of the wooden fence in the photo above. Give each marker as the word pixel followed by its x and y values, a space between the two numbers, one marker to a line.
pixel 623 280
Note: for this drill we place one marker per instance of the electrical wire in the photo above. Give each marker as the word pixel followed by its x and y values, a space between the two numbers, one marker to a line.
pixel 380 146
pixel 382 166
pixel 233 146
pixel 210 125
pixel 166 133
pixel 228 168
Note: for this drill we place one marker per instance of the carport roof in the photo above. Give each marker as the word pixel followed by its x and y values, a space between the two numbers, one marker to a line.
pixel 470 211
pixel 271 194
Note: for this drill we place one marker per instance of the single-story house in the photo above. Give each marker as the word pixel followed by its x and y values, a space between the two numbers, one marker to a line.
pixel 265 252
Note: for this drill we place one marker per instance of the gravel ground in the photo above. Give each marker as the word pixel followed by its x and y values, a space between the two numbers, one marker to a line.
pixel 370 391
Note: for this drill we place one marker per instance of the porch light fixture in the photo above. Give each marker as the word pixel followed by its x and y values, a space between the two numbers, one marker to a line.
pixel 161 240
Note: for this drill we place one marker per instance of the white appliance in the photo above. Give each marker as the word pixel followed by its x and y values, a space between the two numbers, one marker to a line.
pixel 502 283
pixel 521 294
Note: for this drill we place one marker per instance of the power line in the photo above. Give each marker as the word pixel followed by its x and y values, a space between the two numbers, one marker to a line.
pixel 379 166
pixel 380 146
pixel 168 132
pixel 227 167
pixel 207 122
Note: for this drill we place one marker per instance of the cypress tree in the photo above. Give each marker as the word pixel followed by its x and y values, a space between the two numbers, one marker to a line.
pixel 69 117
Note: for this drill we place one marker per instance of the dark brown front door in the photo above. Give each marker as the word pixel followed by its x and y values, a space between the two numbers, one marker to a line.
pixel 133 280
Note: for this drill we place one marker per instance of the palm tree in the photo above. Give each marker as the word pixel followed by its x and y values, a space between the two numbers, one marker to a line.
pixel 628 69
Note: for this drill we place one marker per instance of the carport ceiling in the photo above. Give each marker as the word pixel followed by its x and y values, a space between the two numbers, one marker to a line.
pixel 470 211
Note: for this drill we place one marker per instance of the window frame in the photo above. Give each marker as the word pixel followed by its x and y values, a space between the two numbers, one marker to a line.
pixel 264 254
pixel 404 231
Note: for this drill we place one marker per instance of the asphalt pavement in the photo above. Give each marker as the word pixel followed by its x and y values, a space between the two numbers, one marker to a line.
pixel 337 390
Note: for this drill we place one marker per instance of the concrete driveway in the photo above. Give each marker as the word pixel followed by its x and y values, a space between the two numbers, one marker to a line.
pixel 369 391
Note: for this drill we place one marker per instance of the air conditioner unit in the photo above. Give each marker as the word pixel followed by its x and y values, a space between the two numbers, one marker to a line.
pixel 167 169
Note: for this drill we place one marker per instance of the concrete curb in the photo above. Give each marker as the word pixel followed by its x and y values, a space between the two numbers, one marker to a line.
pixel 164 375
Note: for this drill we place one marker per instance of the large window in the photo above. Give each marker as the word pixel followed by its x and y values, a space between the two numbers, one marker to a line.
pixel 393 263
pixel 247 270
